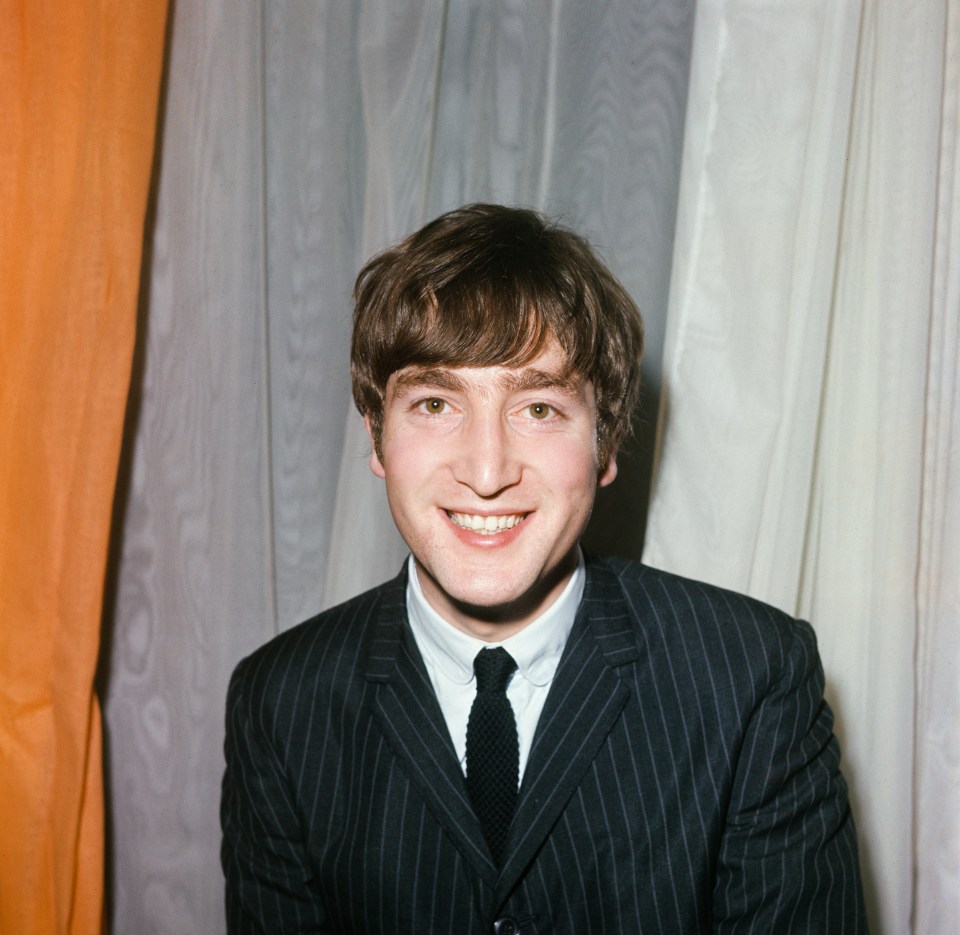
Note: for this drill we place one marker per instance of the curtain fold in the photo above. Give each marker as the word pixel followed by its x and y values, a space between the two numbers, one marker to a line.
pixel 808 430
pixel 299 137
pixel 79 86
pixel 936 844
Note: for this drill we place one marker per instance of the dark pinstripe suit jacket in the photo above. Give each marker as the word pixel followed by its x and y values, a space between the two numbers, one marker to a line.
pixel 684 778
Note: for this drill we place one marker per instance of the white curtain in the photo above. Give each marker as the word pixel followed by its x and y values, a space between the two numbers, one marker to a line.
pixel 811 390
pixel 297 138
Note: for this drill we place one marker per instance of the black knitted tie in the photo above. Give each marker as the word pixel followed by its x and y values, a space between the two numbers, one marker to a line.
pixel 493 753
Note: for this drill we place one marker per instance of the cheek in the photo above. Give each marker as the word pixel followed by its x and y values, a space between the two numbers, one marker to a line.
pixel 403 458
pixel 573 467
pixel 410 475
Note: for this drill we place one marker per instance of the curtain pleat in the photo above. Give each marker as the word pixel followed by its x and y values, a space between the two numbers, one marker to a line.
pixel 936 850
pixel 809 426
pixel 79 87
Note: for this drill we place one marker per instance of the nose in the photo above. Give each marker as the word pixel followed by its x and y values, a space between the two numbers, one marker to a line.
pixel 486 457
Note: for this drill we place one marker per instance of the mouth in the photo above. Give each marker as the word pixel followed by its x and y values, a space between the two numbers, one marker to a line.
pixel 486 525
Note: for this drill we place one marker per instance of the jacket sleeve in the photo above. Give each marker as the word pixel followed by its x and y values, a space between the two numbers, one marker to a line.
pixel 269 886
pixel 788 859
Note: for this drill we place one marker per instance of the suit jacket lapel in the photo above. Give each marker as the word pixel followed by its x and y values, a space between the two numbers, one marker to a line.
pixel 585 700
pixel 413 725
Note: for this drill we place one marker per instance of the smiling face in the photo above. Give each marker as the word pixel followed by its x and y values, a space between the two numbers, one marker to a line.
pixel 491 474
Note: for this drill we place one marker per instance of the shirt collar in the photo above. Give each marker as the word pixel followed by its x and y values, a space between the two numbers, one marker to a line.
pixel 536 648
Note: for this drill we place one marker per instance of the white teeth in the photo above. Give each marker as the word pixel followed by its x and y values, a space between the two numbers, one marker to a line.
pixel 486 525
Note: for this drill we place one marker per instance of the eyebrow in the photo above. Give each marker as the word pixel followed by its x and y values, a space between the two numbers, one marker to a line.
pixel 414 377
pixel 513 381
pixel 533 379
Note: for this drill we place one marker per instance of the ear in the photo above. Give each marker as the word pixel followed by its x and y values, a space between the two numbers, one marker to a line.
pixel 376 465
pixel 609 472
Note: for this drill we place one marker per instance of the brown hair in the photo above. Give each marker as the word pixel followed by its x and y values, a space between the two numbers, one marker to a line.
pixel 487 285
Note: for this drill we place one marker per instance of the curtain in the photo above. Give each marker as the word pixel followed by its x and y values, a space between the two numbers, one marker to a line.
pixel 296 139
pixel 808 429
pixel 78 96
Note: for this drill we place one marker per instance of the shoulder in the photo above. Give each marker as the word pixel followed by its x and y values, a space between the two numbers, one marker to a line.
pixel 326 651
pixel 704 624
pixel 664 592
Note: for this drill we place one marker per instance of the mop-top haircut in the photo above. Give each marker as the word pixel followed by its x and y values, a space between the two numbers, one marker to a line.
pixel 487 285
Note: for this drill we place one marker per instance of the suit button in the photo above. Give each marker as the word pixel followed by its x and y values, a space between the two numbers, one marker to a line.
pixel 506 926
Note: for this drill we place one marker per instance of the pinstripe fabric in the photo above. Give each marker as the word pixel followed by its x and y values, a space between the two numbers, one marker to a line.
pixel 684 778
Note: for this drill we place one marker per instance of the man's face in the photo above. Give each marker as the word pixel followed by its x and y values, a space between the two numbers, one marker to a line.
pixel 491 474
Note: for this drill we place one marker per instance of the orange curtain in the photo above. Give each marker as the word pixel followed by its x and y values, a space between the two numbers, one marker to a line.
pixel 79 86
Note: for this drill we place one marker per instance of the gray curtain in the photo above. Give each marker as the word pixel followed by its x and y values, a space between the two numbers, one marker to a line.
pixel 296 139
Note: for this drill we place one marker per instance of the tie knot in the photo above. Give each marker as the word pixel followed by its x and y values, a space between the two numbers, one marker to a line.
pixel 493 668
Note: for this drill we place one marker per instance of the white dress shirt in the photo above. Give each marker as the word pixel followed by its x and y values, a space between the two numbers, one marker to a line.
pixel 449 652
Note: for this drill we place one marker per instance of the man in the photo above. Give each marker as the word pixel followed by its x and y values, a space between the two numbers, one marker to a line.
pixel 512 736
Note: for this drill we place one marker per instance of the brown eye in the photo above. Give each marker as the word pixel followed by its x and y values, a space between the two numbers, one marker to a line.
pixel 539 410
pixel 434 405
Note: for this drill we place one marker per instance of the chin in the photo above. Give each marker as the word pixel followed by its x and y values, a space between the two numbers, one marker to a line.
pixel 498 604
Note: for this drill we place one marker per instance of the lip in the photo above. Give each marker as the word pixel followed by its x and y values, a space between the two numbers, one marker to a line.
pixel 487 540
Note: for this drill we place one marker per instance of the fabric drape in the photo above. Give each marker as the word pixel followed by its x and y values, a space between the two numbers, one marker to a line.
pixel 79 87
pixel 298 137
pixel 809 412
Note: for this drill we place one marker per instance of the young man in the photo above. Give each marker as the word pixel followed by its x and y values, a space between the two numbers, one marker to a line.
pixel 513 737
